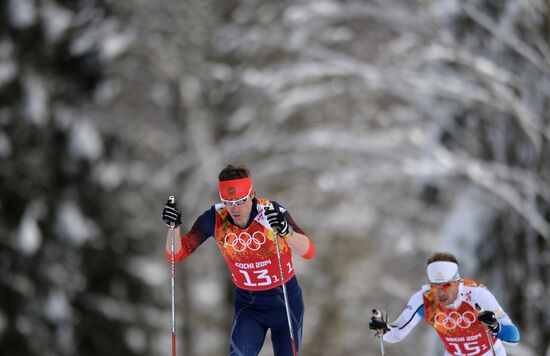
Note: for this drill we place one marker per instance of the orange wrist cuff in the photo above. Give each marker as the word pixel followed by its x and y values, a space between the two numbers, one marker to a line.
pixel 310 251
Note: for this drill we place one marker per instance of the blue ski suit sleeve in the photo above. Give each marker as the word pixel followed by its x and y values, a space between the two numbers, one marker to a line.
pixel 509 333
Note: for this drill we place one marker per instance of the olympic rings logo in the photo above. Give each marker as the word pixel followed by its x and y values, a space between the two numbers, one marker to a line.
pixel 454 319
pixel 244 240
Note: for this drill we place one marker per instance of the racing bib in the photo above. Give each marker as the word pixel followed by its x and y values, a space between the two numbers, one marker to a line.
pixel 460 331
pixel 251 253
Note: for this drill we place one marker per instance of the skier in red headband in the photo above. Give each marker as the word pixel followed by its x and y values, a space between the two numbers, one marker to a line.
pixel 245 228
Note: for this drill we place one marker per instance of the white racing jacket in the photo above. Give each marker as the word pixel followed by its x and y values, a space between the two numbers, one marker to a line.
pixel 456 324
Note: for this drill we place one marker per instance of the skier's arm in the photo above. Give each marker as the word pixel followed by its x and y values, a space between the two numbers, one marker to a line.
pixel 298 241
pixel 508 332
pixel 408 319
pixel 187 243
pixel 301 244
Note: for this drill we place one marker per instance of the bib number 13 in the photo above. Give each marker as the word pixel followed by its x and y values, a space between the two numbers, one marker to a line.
pixel 262 278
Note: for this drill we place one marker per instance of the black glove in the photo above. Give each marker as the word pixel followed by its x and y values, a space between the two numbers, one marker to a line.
pixel 489 319
pixel 377 323
pixel 278 221
pixel 170 214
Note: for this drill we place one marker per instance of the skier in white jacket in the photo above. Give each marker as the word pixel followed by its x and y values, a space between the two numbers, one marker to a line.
pixel 464 313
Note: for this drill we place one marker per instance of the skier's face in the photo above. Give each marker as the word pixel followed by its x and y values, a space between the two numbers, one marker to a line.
pixel 241 213
pixel 446 293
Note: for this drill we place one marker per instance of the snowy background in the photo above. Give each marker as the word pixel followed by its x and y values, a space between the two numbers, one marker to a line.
pixel 389 128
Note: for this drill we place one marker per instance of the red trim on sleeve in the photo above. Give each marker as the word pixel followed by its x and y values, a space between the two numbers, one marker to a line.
pixel 310 251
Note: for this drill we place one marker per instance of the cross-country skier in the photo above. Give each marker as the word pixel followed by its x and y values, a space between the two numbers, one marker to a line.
pixel 244 228
pixel 464 313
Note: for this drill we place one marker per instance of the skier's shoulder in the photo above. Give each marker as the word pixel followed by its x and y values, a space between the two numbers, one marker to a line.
pixel 210 214
pixel 264 204
pixel 216 208
pixel 467 283
pixel 415 305
pixel 417 299
pixel 473 289
pixel 423 290
pixel 206 221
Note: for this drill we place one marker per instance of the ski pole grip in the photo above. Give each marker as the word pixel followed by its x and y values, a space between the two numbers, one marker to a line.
pixel 172 200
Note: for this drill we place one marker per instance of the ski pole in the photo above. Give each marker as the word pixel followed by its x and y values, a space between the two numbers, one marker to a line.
pixel 488 332
pixel 490 337
pixel 285 295
pixel 378 314
pixel 172 200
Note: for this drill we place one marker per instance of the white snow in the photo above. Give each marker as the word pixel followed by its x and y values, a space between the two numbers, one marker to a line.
pixel 152 272
pixel 63 116
pixel 56 307
pixel 107 37
pixel 35 100
pixel 8 67
pixel 21 13
pixel 5 145
pixel 221 72
pixel 55 20
pixel 301 14
pixel 29 237
pixel 112 308
pixel 465 226
pixel 8 70
pixel 65 338
pixel 72 225
pixel 85 141
pixel 82 44
pixel 115 44
pixel 338 35
pixel 161 94
pixel 210 339
pixel 135 339
pixel 241 118
pixel 110 175
pixel 207 293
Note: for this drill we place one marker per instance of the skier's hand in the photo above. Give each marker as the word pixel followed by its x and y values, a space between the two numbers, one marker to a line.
pixel 377 323
pixel 489 319
pixel 278 221
pixel 170 214
pixel 380 326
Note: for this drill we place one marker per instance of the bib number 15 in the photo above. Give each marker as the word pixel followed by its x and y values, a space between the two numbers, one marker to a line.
pixel 466 348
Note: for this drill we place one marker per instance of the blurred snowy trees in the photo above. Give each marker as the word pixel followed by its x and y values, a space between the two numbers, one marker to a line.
pixel 389 129
pixel 493 132
pixel 66 284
